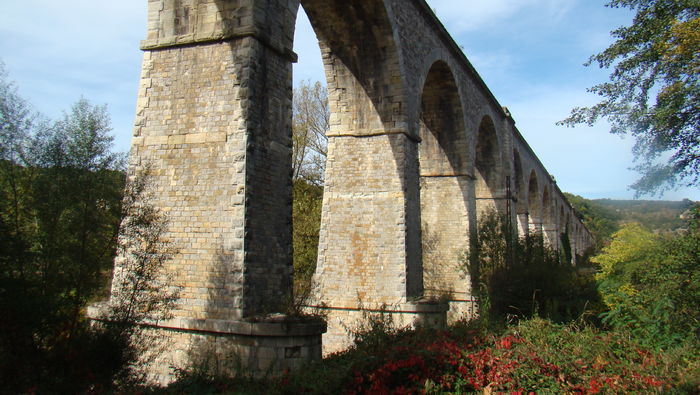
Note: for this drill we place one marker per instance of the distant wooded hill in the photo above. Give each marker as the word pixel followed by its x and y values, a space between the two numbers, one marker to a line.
pixel 604 216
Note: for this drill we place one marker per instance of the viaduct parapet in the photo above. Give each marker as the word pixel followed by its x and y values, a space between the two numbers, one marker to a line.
pixel 418 149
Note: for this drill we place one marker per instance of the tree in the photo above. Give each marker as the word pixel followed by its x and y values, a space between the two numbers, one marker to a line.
pixel 523 277
pixel 311 121
pixel 61 188
pixel 63 203
pixel 76 197
pixel 657 55
pixel 16 119
pixel 650 284
pixel 17 122
pixel 630 249
pixel 306 220
pixel 141 290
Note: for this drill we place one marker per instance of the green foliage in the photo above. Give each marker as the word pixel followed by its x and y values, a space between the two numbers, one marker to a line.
pixel 61 190
pixel 573 358
pixel 650 284
pixel 306 222
pixel 655 215
pixel 524 277
pixel 656 55
pixel 16 120
pixel 603 217
pixel 622 259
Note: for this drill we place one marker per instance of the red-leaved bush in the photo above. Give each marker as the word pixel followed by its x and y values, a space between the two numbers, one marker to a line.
pixel 510 364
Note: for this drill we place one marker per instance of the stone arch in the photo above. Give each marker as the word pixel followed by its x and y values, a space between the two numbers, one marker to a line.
pixel 242 53
pixel 487 167
pixel 213 117
pixel 444 186
pixel 576 239
pixel 534 205
pixel 546 206
pixel 443 148
pixel 361 61
pixel 371 203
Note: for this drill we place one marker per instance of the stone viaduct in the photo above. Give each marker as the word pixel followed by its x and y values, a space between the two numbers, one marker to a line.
pixel 418 149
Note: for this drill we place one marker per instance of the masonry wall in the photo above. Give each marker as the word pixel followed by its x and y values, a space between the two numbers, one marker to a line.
pixel 213 123
pixel 415 157
pixel 260 349
pixel 213 129
pixel 369 249
pixel 446 190
pixel 423 41
pixel 194 140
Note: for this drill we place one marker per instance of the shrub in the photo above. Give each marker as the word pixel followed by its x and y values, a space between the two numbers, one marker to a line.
pixel 523 277
pixel 306 219
pixel 651 285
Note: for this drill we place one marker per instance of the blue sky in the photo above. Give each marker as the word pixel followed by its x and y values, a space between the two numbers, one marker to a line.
pixel 529 52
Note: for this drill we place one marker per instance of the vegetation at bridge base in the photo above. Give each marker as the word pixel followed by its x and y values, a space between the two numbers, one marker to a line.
pixel 545 326
pixel 521 277
pixel 531 356
pixel 631 328
pixel 62 200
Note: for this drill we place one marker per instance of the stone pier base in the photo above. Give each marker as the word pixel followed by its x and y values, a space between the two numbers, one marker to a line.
pixel 265 347
pixel 344 321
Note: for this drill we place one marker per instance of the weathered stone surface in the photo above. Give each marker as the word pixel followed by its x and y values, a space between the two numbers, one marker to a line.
pixel 267 345
pixel 418 149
